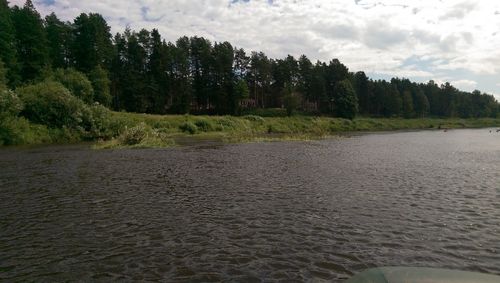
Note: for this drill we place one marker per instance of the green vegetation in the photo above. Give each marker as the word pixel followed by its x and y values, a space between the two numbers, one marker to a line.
pixel 144 130
pixel 60 81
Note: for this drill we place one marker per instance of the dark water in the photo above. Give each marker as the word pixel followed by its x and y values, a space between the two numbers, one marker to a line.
pixel 289 211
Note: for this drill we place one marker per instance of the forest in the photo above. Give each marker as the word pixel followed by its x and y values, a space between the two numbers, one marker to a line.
pixel 45 59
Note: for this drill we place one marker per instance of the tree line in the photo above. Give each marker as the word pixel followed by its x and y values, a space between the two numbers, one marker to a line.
pixel 142 72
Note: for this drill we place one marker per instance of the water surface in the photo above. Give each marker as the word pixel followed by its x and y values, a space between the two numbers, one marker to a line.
pixel 284 211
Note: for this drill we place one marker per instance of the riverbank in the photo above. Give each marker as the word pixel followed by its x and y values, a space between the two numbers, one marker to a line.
pixel 143 130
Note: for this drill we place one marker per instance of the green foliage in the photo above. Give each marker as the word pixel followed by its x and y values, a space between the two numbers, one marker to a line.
pixel 204 125
pixel 19 131
pixel 266 112
pixel 92 44
pixel 139 136
pixel 254 118
pixel 134 135
pixel 240 92
pixel 76 82
pixel 31 41
pixel 188 127
pixel 8 52
pixel 421 104
pixel 101 84
pixel 59 41
pixel 346 101
pixel 363 89
pixel 50 103
pixel 10 104
pixel 291 101
pixel 98 123
pixel 141 72
pixel 3 76
pixel 407 105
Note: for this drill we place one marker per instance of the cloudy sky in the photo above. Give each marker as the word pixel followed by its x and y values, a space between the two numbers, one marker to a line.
pixel 444 40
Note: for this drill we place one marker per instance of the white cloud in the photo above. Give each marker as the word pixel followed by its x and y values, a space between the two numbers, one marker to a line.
pixel 467 85
pixel 376 36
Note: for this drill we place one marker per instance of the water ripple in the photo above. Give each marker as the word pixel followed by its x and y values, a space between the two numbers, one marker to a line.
pixel 293 212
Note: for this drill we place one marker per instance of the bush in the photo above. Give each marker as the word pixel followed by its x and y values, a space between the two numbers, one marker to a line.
pixel 77 83
pixel 254 118
pixel 134 135
pixel 101 84
pixel 188 127
pixel 204 125
pixel 10 104
pixel 50 103
pixel 228 123
pixel 97 122
pixel 266 112
pixel 18 131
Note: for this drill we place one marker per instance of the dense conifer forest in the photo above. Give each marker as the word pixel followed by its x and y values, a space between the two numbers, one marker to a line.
pixel 59 78
pixel 142 72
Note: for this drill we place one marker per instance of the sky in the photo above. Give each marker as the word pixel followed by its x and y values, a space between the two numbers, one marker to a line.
pixel 443 40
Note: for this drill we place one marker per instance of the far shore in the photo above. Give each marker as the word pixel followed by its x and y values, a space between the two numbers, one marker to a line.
pixel 149 131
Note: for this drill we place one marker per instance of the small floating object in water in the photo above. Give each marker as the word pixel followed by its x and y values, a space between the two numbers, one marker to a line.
pixel 420 275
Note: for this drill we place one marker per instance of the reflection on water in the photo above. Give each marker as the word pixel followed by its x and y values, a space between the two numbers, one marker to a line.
pixel 319 210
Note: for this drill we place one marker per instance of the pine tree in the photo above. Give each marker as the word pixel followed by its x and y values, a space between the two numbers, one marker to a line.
pixel 346 102
pixel 101 85
pixel 3 76
pixel 363 92
pixel 92 44
pixel 421 104
pixel 59 41
pixel 8 52
pixel 31 41
pixel 407 104
pixel 305 74
pixel 223 58
pixel 182 90
pixel 202 68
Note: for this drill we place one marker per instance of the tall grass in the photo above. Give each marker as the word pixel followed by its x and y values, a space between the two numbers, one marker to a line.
pixel 257 128
pixel 121 129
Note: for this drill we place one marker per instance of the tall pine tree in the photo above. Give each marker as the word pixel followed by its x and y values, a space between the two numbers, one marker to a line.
pixel 92 44
pixel 8 52
pixel 31 41
pixel 59 41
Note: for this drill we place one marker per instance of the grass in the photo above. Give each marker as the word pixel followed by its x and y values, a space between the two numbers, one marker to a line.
pixel 164 130
pixel 132 130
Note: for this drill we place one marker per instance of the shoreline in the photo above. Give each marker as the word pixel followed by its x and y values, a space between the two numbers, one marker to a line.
pixel 133 130
pixel 167 130
pixel 216 140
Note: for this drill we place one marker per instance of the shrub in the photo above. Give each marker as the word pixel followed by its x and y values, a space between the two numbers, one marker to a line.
pixel 50 103
pixel 3 76
pixel 266 112
pixel 204 125
pixel 228 123
pixel 188 127
pixel 18 131
pixel 97 122
pixel 77 83
pixel 101 84
pixel 10 104
pixel 134 135
pixel 254 118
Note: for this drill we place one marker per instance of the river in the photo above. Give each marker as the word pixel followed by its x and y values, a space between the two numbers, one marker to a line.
pixel 291 211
